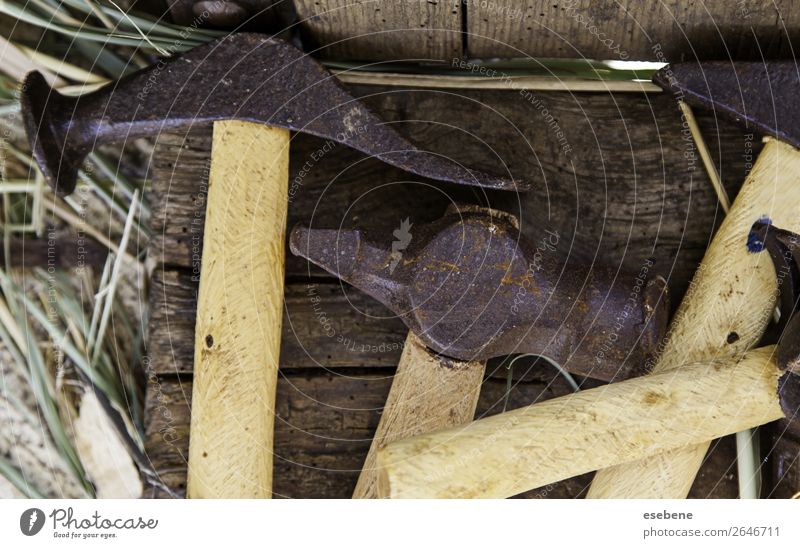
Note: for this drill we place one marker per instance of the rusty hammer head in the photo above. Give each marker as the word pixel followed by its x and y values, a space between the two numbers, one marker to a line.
pixel 472 287
pixel 244 76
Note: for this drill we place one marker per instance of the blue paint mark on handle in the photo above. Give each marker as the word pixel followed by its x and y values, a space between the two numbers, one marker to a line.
pixel 754 242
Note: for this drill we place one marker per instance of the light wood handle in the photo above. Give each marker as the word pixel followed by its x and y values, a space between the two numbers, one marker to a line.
pixel 725 312
pixel 428 393
pixel 239 313
pixel 513 452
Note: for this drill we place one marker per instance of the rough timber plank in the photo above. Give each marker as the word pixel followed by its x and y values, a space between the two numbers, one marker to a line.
pixel 324 425
pixel 669 30
pixel 323 326
pixel 374 30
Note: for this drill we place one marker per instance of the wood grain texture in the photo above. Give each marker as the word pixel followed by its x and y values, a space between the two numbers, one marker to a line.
pixel 379 30
pixel 239 313
pixel 511 453
pixel 668 30
pixel 326 420
pixel 723 314
pixel 428 393
pixel 324 326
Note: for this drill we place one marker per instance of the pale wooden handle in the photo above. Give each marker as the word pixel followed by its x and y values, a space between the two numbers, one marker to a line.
pixel 428 393
pixel 534 446
pixel 724 313
pixel 239 313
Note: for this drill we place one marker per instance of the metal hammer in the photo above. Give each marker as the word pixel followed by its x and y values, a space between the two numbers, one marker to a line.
pixel 469 286
pixel 255 89
pixel 733 292
pixel 533 446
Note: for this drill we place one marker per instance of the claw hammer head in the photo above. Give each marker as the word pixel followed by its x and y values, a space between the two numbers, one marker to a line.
pixel 244 76
pixel 472 287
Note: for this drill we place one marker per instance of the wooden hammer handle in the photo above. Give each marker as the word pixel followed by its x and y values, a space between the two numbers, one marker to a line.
pixel 513 452
pixel 725 312
pixel 428 393
pixel 239 313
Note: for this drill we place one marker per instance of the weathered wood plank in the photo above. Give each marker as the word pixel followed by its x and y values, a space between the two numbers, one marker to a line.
pixel 180 168
pixel 669 30
pixel 324 325
pixel 370 30
pixel 781 446
pixel 717 477
pixel 325 423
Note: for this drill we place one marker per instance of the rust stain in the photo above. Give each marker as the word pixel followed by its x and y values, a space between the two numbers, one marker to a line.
pixel 443 266
pixel 653 398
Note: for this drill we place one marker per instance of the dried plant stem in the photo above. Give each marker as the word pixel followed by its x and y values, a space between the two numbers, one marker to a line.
pixel 17 479
pixel 532 83
pixel 114 279
pixel 705 155
pixel 62 68
pixel 76 221
pixel 98 301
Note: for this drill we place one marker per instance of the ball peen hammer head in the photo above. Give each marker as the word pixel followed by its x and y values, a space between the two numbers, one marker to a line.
pixel 244 76
pixel 471 287
pixel 763 96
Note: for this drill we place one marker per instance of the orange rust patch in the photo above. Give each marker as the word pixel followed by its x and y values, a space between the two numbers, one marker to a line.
pixel 442 266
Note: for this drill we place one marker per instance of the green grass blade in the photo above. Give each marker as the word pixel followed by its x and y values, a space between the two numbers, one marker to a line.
pixel 45 400
pixel 17 479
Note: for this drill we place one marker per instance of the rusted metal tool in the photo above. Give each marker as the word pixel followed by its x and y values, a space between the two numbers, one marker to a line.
pixel 754 94
pixel 470 286
pixel 734 290
pixel 244 76
pixel 591 430
pixel 254 89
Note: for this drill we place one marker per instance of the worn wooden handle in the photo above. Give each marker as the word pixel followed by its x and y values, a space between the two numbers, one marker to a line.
pixel 428 393
pixel 725 312
pixel 513 452
pixel 239 313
